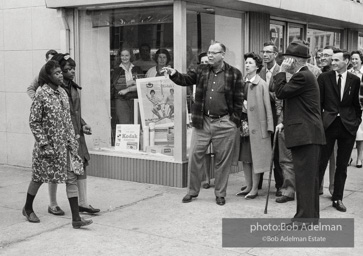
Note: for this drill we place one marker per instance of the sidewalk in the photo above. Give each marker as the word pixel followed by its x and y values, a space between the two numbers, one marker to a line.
pixel 143 219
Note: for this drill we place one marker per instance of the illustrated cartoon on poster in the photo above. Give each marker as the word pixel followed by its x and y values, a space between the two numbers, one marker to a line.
pixel 156 98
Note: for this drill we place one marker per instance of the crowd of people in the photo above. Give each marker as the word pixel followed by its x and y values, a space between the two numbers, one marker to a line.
pixel 310 107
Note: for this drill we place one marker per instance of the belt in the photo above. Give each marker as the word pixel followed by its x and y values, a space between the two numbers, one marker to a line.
pixel 215 116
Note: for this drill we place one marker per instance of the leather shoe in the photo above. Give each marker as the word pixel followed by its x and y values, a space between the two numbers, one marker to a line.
pixel 359 166
pixel 220 200
pixel 242 193
pixel 243 188
pixel 81 223
pixel 278 192
pixel 31 217
pixel 188 198
pixel 284 199
pixel 249 196
pixel 89 209
pixel 339 206
pixel 56 210
pixel 206 185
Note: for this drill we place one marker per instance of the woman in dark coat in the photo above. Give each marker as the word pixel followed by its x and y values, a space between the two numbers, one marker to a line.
pixel 81 128
pixel 123 87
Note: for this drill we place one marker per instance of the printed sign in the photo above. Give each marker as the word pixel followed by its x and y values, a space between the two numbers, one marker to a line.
pixel 127 137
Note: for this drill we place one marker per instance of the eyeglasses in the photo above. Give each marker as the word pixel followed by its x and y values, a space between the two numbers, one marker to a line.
pixel 268 52
pixel 326 55
pixel 213 53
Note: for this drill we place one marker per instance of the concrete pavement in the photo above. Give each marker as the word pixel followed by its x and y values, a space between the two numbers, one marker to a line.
pixel 144 219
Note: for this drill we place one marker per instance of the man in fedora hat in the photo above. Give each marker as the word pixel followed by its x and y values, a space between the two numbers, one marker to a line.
pixel 303 127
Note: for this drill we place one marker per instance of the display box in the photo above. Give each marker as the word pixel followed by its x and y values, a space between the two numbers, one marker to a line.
pixel 165 150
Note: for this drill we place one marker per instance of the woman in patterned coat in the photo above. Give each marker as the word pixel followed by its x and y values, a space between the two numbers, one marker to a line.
pixel 55 157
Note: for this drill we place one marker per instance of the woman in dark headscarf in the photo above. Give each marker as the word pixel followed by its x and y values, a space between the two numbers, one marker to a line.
pixel 55 156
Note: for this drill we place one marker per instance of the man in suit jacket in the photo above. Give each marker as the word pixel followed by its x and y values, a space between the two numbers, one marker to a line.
pixel 270 69
pixel 304 133
pixel 339 96
pixel 216 114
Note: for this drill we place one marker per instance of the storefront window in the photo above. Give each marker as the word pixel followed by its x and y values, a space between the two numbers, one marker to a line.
pixel 360 42
pixel 321 38
pixel 277 32
pixel 296 32
pixel 118 48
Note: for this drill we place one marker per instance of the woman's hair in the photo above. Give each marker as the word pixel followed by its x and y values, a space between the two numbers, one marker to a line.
pixel 131 52
pixel 359 53
pixel 257 58
pixel 162 51
pixel 63 59
pixel 50 65
pixel 200 56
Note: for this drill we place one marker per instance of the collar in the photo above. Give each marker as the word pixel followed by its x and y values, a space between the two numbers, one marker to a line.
pixel 49 90
pixel 223 68
pixel 271 69
pixel 356 72
pixel 300 69
pixel 124 68
pixel 344 74
pixel 251 80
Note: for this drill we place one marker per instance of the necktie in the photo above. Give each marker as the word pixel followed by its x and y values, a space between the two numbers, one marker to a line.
pixel 268 77
pixel 340 86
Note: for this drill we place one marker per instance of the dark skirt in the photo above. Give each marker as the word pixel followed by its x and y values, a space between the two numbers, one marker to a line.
pixel 245 150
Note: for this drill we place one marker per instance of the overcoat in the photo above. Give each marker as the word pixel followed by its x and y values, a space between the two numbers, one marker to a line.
pixel 50 123
pixel 77 120
pixel 260 123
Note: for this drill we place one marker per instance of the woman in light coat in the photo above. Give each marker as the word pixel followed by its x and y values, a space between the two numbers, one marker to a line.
pixel 255 150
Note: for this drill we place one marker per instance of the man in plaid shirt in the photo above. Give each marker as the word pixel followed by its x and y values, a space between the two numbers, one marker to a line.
pixel 216 115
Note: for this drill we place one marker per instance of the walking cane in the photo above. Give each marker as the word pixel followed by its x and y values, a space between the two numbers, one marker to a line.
pixel 271 166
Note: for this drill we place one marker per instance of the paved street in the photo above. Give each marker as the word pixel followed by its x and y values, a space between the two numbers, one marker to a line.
pixel 144 219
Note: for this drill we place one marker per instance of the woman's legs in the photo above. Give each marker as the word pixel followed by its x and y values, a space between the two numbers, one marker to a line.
pixel 247 170
pixel 255 181
pixel 359 145
pixel 28 211
pixel 72 194
pixel 52 189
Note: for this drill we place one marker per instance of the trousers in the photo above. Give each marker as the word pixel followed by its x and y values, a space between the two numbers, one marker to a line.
pixel 306 165
pixel 221 132
pixel 287 166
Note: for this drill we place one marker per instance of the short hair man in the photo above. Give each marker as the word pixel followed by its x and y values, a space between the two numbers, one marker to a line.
pixel 270 69
pixel 216 114
pixel 304 133
pixel 326 58
pixel 339 97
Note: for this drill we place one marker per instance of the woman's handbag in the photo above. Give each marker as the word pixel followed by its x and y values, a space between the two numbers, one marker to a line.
pixel 244 121
pixel 244 128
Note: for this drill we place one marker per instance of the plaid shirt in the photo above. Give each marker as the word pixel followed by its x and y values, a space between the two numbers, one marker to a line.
pixel 199 77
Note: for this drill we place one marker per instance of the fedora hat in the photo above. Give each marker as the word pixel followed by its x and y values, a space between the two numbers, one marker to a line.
pixel 298 49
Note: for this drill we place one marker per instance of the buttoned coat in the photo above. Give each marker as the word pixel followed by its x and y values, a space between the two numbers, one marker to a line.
pixel 232 89
pixel 50 123
pixel 348 108
pixel 276 104
pixel 260 123
pixel 302 116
